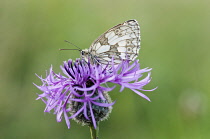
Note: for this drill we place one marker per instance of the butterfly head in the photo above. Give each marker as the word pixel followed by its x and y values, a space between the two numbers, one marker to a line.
pixel 85 54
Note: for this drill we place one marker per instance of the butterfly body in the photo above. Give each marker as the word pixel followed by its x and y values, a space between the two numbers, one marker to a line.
pixel 122 42
pixel 88 56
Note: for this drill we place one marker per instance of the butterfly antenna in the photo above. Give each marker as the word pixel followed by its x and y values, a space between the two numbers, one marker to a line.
pixel 68 49
pixel 73 45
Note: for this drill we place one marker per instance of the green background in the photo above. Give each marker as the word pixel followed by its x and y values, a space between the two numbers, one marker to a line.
pixel 175 43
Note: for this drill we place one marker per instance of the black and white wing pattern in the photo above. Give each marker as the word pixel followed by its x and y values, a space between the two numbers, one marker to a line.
pixel 122 42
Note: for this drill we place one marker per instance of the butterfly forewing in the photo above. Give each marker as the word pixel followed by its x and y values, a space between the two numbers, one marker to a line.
pixel 120 42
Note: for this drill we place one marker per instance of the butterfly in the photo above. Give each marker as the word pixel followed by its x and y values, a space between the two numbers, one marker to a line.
pixel 121 42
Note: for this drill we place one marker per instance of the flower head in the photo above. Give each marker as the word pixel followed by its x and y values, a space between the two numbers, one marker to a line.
pixel 81 93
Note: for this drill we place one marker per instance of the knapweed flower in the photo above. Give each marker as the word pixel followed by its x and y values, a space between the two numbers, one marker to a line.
pixel 81 92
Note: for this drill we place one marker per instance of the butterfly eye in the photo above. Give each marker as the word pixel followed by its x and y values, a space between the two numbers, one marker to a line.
pixel 82 52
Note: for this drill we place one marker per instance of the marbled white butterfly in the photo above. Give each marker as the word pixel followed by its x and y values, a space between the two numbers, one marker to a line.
pixel 120 42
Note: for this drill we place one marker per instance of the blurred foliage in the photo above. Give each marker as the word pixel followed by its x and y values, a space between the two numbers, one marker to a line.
pixel 175 43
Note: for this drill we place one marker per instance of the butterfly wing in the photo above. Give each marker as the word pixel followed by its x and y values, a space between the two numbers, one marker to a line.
pixel 120 42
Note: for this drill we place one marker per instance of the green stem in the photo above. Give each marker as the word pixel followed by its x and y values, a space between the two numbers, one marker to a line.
pixel 94 132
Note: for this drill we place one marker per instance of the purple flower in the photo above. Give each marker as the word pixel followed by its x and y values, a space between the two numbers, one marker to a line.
pixel 80 93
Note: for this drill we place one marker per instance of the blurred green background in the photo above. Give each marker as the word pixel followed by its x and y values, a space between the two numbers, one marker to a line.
pixel 175 43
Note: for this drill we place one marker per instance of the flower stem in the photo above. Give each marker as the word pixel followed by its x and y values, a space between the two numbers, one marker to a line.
pixel 94 132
